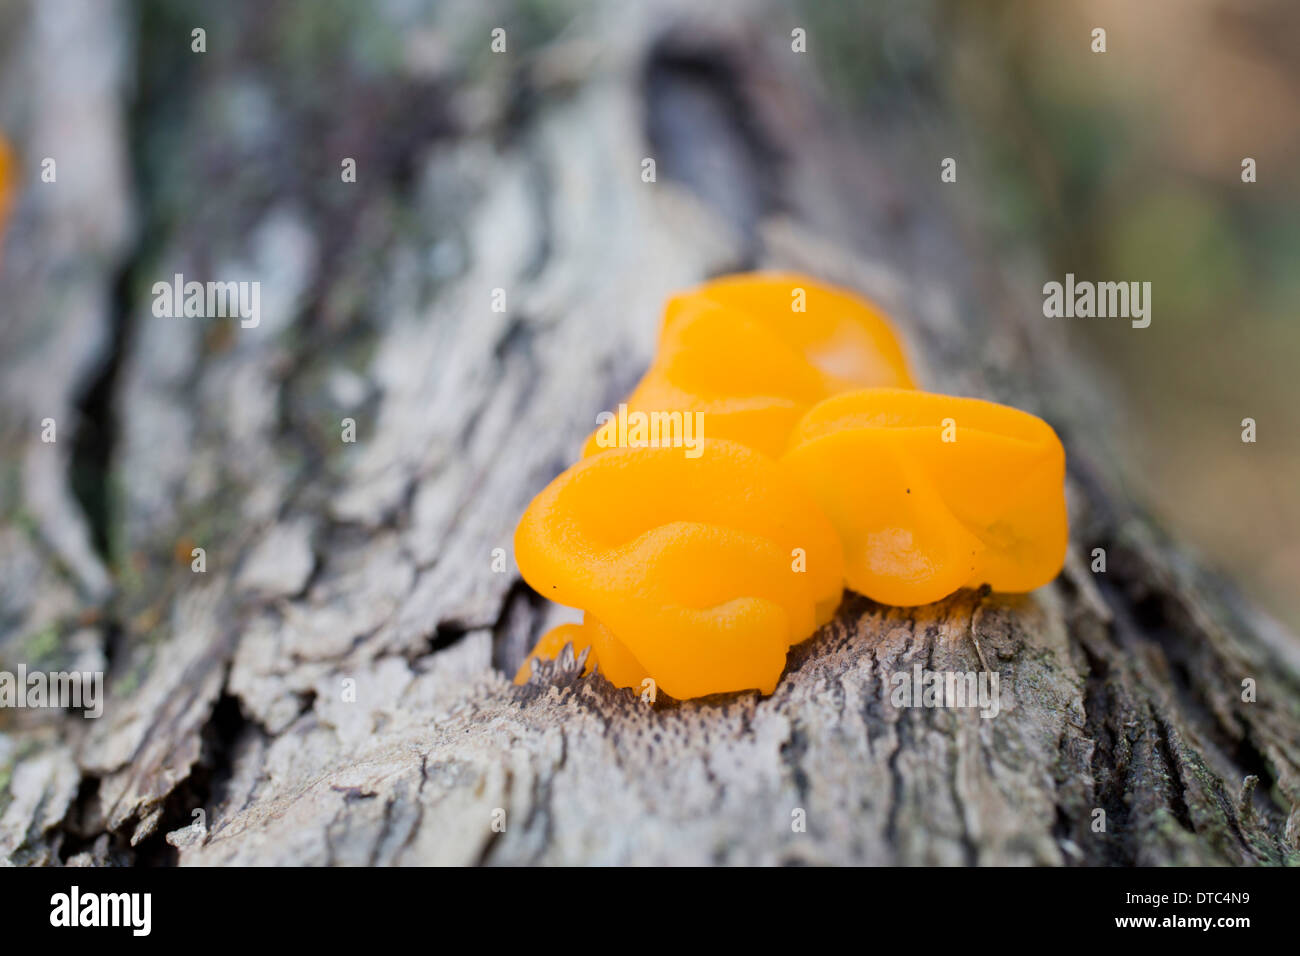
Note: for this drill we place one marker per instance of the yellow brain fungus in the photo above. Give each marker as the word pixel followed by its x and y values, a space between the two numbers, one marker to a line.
pixel 821 466
pixel 755 352
pixel 684 566
pixel 931 493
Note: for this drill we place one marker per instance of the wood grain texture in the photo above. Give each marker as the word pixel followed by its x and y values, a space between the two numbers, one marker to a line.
pixel 371 563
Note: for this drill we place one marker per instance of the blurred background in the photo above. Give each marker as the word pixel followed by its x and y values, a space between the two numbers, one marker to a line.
pixel 1124 165
pixel 1127 165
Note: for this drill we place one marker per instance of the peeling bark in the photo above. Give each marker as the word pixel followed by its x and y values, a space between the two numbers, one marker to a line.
pixel 371 563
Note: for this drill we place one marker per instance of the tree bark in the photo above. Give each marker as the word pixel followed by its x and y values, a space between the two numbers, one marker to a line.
pixel 335 686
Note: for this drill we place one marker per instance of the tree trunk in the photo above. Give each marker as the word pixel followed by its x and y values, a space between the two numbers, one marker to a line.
pixel 335 686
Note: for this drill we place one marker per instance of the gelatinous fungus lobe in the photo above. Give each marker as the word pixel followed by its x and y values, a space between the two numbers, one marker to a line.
pixel 684 567
pixel 755 352
pixel 930 493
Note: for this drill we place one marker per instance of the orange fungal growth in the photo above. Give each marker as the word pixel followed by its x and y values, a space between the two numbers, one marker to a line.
pixel 753 353
pixel 930 493
pixel 700 573
pixel 699 560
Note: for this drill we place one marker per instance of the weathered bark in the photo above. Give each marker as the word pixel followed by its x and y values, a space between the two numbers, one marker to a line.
pixel 372 562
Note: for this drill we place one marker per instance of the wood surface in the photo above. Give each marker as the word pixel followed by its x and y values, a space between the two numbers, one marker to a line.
pixel 372 562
